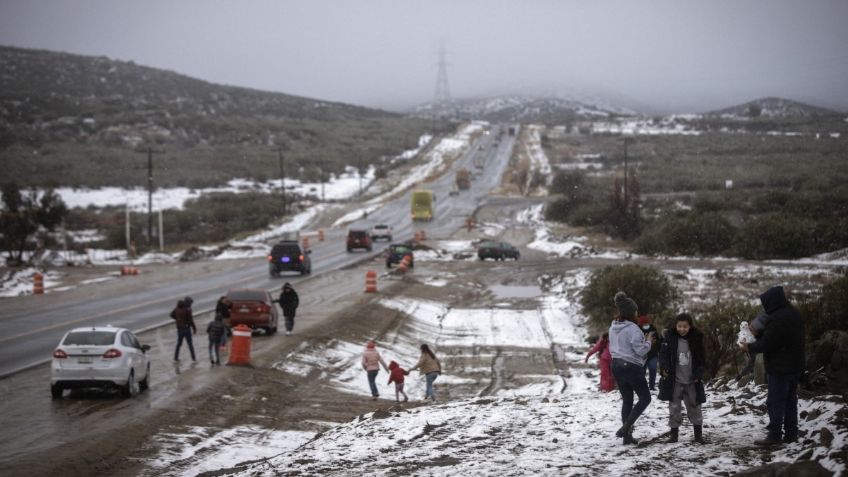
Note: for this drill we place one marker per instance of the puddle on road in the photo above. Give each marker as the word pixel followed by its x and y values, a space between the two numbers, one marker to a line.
pixel 516 291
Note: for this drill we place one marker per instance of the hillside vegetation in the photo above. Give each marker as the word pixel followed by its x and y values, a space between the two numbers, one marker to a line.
pixel 81 121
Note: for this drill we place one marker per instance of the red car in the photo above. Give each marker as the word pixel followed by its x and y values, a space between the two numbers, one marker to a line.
pixel 254 308
pixel 358 239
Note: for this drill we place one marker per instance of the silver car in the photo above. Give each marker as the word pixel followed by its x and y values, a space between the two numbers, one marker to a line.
pixel 100 356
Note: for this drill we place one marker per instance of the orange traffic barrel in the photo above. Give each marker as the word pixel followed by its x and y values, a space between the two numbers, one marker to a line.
pixel 370 281
pixel 240 347
pixel 404 264
pixel 306 243
pixel 38 284
pixel 321 235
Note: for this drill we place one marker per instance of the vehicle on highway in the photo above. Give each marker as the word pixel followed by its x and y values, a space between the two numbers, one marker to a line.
pixel 101 357
pixel 289 256
pixel 422 204
pixel 497 250
pixel 396 252
pixel 381 231
pixel 463 178
pixel 358 238
pixel 253 307
pixel 453 191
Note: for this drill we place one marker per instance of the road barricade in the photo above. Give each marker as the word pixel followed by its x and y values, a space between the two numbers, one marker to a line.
pixel 403 267
pixel 321 235
pixel 38 284
pixel 371 281
pixel 240 346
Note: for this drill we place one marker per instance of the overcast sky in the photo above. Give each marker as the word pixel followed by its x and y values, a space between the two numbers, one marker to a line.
pixel 663 56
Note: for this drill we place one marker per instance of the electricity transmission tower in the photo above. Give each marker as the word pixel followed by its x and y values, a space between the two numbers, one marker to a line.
pixel 442 95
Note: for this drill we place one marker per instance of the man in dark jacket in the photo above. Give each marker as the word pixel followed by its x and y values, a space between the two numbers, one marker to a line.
pixel 185 326
pixel 782 345
pixel 288 302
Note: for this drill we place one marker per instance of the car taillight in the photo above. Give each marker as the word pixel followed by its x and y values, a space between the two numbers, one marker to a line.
pixel 112 353
pixel 60 354
pixel 301 258
pixel 262 308
pixel 270 258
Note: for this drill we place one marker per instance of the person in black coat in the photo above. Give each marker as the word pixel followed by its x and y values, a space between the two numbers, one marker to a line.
pixel 782 345
pixel 681 361
pixel 288 302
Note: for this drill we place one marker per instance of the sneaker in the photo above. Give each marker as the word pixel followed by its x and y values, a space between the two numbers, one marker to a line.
pixel 405 398
pixel 288 333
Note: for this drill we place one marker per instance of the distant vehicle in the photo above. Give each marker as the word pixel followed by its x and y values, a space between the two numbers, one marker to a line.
pixel 511 131
pixel 422 204
pixel 289 256
pixel 463 179
pixel 453 190
pixel 497 250
pixel 381 231
pixel 396 252
pixel 100 356
pixel 253 307
pixel 358 239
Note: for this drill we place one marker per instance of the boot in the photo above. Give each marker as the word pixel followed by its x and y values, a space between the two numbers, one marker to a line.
pixel 672 436
pixel 628 435
pixel 699 434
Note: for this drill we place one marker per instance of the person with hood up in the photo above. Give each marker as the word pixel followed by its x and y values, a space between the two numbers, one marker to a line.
pixel 651 360
pixel 605 359
pixel 217 332
pixel 431 368
pixel 682 367
pixel 629 348
pixel 371 362
pixel 782 345
pixel 288 302
pixel 184 319
pixel 396 375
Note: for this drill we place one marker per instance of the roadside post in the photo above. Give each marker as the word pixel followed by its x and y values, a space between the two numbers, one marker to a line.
pixel 38 284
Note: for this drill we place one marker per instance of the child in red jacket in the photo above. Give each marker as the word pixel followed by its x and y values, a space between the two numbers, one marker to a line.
pixel 396 374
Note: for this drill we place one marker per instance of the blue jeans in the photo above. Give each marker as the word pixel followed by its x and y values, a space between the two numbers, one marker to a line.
pixel 651 367
pixel 430 392
pixel 782 404
pixel 372 381
pixel 184 334
pixel 631 379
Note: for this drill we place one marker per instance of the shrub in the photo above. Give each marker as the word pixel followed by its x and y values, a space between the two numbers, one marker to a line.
pixel 828 312
pixel 688 234
pixel 776 236
pixel 649 287
pixel 720 325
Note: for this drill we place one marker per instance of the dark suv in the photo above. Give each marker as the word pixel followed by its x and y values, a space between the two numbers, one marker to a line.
pixel 396 252
pixel 289 257
pixel 497 251
pixel 358 239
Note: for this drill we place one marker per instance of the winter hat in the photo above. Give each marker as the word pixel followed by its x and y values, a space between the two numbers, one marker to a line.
pixel 626 306
pixel 188 301
pixel 644 320
pixel 371 345
pixel 287 285
pixel 393 365
pixel 759 323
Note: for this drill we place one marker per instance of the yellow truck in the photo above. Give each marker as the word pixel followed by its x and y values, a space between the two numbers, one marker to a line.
pixel 422 204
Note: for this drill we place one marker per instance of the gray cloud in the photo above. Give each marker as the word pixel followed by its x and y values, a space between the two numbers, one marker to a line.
pixel 667 55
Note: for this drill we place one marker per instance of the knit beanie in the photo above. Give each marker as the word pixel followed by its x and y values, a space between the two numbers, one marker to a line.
pixel 626 306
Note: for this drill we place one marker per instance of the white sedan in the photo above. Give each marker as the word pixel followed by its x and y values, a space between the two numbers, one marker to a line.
pixel 100 356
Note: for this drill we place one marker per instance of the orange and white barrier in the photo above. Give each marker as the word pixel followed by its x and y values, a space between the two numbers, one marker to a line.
pixel 321 235
pixel 403 267
pixel 38 284
pixel 371 281
pixel 127 270
pixel 240 346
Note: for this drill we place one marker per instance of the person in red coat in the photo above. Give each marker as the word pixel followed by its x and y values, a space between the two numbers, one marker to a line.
pixel 396 374
pixel 602 348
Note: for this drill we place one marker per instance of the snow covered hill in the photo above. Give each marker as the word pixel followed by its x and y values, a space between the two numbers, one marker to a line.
pixel 771 107
pixel 525 109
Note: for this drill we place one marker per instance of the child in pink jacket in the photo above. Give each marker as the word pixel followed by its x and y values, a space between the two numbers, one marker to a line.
pixel 602 347
pixel 371 362
pixel 396 374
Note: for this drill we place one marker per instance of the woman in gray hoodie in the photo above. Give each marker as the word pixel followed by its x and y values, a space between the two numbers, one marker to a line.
pixel 629 347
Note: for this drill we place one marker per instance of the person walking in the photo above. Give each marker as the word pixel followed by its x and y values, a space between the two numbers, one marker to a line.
pixel 396 375
pixel 217 332
pixel 288 302
pixel 782 345
pixel 681 360
pixel 605 360
pixel 371 362
pixel 185 326
pixel 651 360
pixel 629 347
pixel 223 308
pixel 431 368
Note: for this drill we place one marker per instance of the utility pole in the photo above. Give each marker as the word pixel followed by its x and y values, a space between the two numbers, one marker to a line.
pixel 282 180
pixel 626 139
pixel 150 153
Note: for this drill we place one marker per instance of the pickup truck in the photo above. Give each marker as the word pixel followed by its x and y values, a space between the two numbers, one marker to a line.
pixel 381 231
